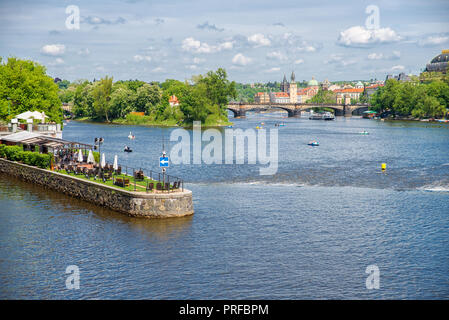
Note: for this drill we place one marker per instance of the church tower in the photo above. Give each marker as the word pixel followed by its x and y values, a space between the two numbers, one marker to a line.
pixel 293 90
pixel 284 85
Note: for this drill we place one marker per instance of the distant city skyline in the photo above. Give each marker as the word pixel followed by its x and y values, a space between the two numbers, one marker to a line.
pixel 254 41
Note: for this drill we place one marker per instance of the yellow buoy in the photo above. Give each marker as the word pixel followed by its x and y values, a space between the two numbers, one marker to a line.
pixel 384 166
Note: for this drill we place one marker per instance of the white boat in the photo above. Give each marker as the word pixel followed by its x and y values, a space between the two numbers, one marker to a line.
pixel 131 136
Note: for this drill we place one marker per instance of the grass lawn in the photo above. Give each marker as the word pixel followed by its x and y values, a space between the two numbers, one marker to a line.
pixel 140 185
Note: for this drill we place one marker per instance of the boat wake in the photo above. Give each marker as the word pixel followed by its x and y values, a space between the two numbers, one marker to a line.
pixel 435 187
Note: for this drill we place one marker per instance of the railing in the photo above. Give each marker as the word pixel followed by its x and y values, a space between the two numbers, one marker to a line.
pixel 161 177
pixel 174 183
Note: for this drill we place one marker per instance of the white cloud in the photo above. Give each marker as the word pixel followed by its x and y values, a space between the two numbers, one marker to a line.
pixel 275 69
pixel 139 58
pixel 226 45
pixel 375 56
pixel 259 40
pixel 358 36
pixel 339 60
pixel 84 52
pixel 241 60
pixel 53 49
pixel 397 68
pixel 306 48
pixel 380 56
pixel 197 60
pixel 276 55
pixel 158 70
pixel 433 40
pixel 196 46
pixel 57 61
pixel 296 43
pixel 334 58
pixel 299 61
pixel 396 54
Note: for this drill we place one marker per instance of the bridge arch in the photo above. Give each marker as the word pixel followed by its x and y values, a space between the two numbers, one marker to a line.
pixel 294 109
pixel 357 110
pixel 234 112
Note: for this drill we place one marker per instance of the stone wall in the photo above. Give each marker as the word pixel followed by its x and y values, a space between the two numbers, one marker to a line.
pixel 136 204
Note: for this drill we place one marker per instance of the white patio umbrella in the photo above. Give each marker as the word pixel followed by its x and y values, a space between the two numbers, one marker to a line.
pixel 80 156
pixel 115 162
pixel 90 157
pixel 103 161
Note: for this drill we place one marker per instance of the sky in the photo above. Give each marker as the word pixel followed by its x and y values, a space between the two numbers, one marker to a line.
pixel 255 41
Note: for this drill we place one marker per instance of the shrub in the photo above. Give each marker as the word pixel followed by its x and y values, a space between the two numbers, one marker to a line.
pixel 16 153
pixel 13 153
pixel 2 151
pixel 43 160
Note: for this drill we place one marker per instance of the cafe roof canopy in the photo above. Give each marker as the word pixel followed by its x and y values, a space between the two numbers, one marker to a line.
pixel 31 138
pixel 32 114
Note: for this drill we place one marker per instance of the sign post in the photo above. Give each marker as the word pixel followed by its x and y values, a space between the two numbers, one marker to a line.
pixel 163 164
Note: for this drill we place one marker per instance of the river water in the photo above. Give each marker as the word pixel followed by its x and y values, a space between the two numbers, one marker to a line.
pixel 309 231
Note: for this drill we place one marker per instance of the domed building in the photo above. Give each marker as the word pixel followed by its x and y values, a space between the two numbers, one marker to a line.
pixel 440 63
pixel 312 83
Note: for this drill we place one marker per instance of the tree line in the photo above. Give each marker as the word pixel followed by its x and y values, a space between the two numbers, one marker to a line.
pixel 203 98
pixel 25 86
pixel 412 98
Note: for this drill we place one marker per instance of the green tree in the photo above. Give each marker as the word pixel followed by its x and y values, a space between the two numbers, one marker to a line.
pixel 440 90
pixel 147 98
pixel 404 99
pixel 64 84
pixel 324 96
pixel 121 102
pixel 384 97
pixel 428 106
pixel 194 104
pixel 29 88
pixel 83 100
pixel 218 88
pixel 102 96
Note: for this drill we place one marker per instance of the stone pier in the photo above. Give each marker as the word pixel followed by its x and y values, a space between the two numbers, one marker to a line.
pixel 136 204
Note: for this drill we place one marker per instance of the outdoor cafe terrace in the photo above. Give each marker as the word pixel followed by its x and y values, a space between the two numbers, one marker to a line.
pixel 77 159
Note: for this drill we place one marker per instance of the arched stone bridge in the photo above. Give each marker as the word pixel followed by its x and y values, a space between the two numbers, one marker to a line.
pixel 294 109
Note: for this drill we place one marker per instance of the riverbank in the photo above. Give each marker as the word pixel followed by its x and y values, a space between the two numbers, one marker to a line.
pixel 148 122
pixel 420 121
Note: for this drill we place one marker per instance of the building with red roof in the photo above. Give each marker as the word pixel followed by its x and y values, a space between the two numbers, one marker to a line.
pixel 173 101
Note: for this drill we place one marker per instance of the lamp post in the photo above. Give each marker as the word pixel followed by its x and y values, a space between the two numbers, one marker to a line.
pixel 99 142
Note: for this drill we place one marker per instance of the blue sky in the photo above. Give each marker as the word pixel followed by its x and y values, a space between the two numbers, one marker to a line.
pixel 253 40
